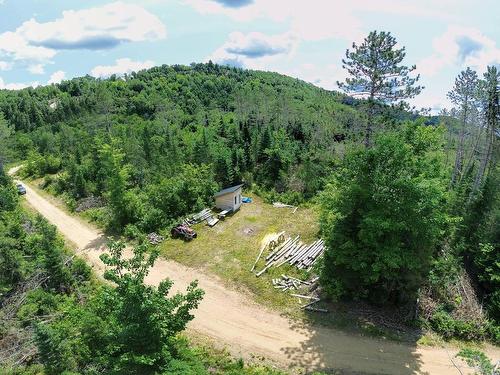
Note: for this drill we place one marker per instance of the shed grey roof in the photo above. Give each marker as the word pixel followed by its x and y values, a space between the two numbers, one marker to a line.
pixel 228 190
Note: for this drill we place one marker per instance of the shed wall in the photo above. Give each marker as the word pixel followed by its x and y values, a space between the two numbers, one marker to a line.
pixel 226 201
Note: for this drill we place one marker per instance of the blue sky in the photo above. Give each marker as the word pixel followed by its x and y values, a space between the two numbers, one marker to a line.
pixel 45 41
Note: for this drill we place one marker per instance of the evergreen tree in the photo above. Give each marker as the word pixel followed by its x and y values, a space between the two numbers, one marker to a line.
pixel 5 133
pixel 491 115
pixel 116 176
pixel 201 150
pixel 376 73
pixel 463 95
pixel 47 242
pixel 382 217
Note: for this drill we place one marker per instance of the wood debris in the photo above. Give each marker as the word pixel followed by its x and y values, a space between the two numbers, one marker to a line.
pixel 85 204
pixel 154 238
pixel 308 301
pixel 283 205
pixel 288 283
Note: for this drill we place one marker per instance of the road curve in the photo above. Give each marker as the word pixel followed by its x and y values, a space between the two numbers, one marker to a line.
pixel 232 319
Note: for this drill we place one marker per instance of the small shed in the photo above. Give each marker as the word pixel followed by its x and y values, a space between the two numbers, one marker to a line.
pixel 229 199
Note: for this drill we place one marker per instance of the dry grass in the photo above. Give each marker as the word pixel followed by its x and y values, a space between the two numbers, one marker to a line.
pixel 229 249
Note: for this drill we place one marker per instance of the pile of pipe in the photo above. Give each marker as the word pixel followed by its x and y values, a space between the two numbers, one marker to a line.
pixel 295 253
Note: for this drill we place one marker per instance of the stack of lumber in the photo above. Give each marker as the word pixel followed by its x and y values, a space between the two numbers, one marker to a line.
pixel 211 221
pixel 155 238
pixel 295 253
pixel 311 297
pixel 198 218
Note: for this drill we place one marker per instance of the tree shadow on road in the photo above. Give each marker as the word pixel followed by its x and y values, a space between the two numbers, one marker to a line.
pixel 334 351
pixel 100 243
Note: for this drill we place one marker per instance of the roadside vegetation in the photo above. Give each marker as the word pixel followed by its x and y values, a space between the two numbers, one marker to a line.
pixel 408 203
pixel 57 318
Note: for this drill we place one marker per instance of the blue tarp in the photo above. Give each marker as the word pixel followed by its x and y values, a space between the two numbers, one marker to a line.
pixel 246 200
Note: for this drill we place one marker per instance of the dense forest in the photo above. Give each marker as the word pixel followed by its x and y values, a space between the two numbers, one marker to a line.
pixel 409 203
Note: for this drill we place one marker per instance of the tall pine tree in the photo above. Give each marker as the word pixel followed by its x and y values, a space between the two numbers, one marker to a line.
pixel 376 73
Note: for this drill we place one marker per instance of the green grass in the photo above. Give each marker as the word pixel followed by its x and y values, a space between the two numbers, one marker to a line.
pixel 230 248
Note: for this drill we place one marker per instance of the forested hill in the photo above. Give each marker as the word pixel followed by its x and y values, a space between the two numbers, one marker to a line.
pixel 185 91
pixel 232 118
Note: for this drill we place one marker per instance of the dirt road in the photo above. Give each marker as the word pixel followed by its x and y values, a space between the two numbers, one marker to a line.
pixel 232 319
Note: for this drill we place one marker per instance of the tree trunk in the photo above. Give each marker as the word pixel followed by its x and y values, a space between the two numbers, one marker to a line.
pixel 457 170
pixel 474 151
pixel 369 124
pixel 483 165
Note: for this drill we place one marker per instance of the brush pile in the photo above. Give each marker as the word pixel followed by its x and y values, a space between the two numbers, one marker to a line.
pixel 85 204
pixel 295 253
pixel 154 238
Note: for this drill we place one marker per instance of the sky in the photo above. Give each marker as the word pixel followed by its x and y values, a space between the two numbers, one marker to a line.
pixel 46 41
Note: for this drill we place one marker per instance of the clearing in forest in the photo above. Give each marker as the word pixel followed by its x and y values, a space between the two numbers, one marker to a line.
pixel 230 248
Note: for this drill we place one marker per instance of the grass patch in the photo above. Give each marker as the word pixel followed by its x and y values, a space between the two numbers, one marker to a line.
pixel 430 339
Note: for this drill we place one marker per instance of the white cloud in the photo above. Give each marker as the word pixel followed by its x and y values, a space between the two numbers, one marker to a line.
pixel 121 66
pixel 56 77
pixel 16 86
pixel 462 47
pixel 36 69
pixel 254 49
pixel 95 28
pixel 433 99
pixel 312 21
pixel 4 65
pixel 325 76
pixel 18 48
pixel 322 19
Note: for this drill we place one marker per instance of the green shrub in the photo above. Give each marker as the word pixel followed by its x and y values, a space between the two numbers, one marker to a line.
pixel 38 165
pixel 448 327
pixel 80 270
pixel 100 215
pixel 494 332
pixel 478 360
pixel 132 232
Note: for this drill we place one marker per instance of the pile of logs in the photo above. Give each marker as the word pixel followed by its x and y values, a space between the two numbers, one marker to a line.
pixel 198 218
pixel 155 238
pixel 295 253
